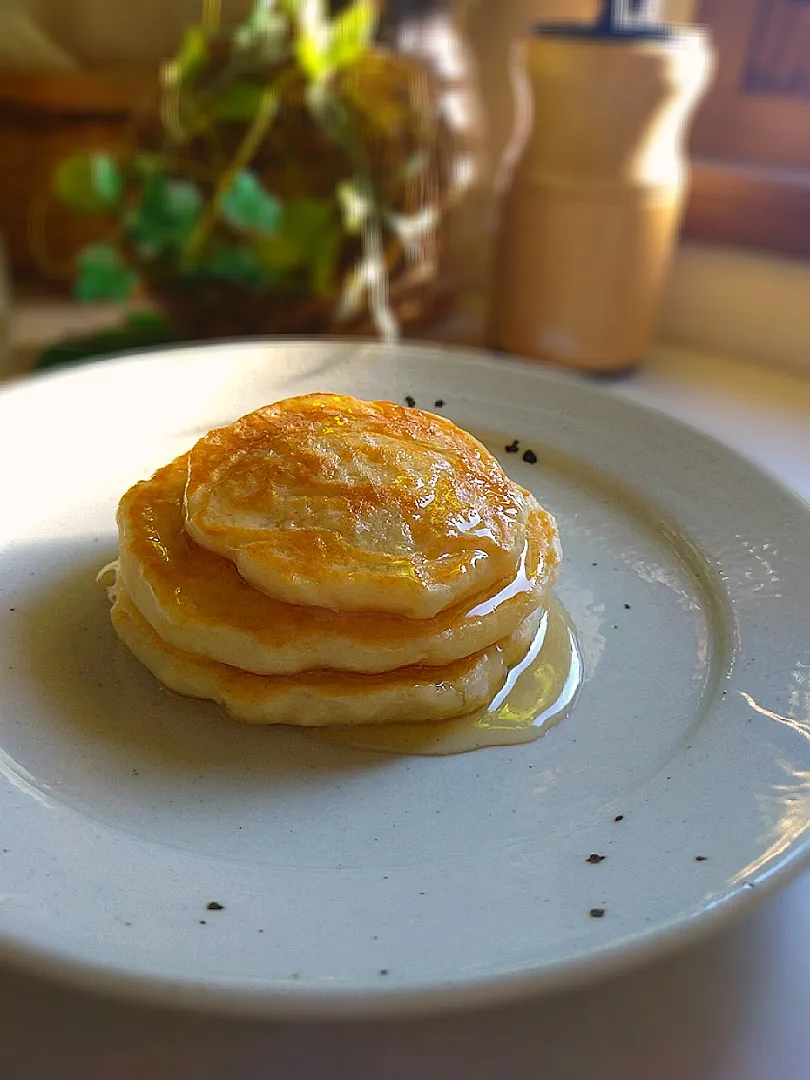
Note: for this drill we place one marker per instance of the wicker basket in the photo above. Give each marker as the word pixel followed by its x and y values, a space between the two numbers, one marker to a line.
pixel 43 118
pixel 216 310
pixel 296 158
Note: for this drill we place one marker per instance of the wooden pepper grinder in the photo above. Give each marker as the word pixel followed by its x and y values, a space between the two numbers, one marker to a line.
pixel 592 206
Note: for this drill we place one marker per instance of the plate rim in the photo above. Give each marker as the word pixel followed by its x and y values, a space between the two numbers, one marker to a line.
pixel 223 998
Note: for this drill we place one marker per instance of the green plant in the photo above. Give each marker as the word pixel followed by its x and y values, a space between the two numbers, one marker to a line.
pixel 219 191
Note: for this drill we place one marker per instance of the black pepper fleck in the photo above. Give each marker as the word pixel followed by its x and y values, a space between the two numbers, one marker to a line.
pixel 12 609
pixel 410 402
pixel 530 457
pixel 700 858
pixel 619 817
pixel 383 971
pixel 596 858
pixel 597 913
pixel 513 447
pixel 438 404
pixel 202 922
pixel 212 905
pixel 626 607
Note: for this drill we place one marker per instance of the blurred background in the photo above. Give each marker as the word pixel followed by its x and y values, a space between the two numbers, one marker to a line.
pixel 72 72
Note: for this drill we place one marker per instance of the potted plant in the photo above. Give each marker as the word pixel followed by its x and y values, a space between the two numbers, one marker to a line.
pixel 289 178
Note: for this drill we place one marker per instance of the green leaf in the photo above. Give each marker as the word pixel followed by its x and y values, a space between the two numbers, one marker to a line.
pixel 166 216
pixel 267 11
pixel 351 33
pixel 304 224
pixel 307 216
pixel 266 31
pixel 239 103
pixel 313 56
pixel 282 253
pixel 296 242
pixel 249 206
pixel 355 206
pixel 232 263
pixel 89 183
pixel 193 53
pixel 313 39
pixel 146 322
pixel 103 274
pixel 170 202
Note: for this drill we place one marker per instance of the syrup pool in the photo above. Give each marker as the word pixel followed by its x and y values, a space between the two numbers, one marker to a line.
pixel 537 694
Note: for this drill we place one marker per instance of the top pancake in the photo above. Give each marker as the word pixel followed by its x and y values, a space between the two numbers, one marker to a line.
pixel 327 501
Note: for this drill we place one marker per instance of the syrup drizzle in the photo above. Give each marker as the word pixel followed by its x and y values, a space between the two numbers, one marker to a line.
pixel 537 694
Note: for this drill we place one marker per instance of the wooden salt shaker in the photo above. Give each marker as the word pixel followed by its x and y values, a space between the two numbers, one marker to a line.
pixel 591 210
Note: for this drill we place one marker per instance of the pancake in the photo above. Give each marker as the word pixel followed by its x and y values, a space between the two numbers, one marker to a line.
pixel 198 602
pixel 319 698
pixel 327 501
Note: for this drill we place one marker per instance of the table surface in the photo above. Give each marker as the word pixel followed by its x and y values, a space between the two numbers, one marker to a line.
pixel 735 1006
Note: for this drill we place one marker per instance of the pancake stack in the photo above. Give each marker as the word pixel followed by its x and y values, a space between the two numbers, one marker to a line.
pixel 325 560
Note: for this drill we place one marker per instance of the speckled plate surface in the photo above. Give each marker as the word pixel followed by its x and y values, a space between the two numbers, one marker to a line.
pixel 352 883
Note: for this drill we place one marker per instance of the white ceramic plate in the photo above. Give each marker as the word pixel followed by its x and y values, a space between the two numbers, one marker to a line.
pixel 355 882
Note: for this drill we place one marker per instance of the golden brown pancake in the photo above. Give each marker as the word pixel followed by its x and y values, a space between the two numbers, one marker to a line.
pixel 331 561
pixel 198 602
pixel 318 698
pixel 330 502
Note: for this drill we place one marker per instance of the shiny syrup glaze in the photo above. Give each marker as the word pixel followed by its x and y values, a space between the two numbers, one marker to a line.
pixel 193 583
pixel 537 694
pixel 366 456
pixel 395 509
